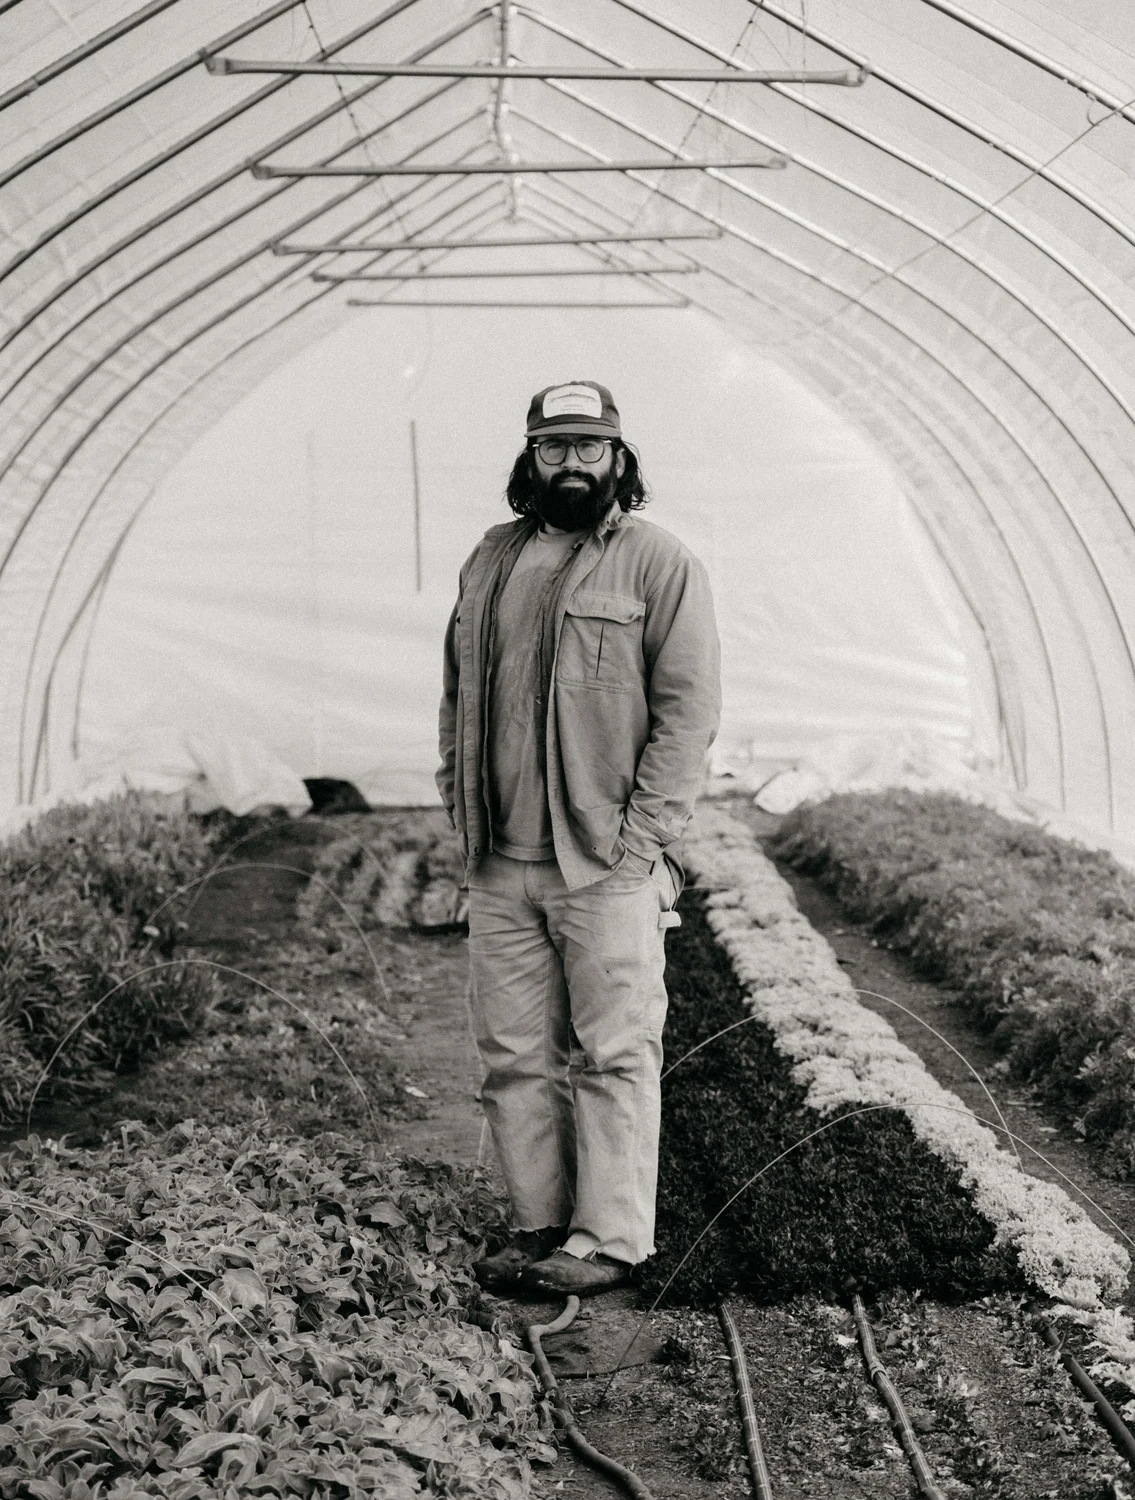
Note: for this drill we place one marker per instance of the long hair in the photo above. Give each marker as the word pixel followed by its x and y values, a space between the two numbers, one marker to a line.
pixel 630 491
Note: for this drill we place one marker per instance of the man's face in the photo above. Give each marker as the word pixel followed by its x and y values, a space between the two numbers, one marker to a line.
pixel 573 493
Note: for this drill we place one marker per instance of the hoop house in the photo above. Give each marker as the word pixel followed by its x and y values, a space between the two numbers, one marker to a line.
pixel 919 213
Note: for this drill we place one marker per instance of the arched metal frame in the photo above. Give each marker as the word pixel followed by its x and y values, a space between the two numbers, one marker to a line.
pixel 1082 434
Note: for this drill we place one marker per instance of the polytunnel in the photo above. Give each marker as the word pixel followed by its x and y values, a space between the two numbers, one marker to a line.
pixel 920 211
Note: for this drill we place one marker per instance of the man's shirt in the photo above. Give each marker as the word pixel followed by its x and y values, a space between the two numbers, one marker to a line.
pixel 518 797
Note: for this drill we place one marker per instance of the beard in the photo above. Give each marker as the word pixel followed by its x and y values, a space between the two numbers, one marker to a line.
pixel 573 507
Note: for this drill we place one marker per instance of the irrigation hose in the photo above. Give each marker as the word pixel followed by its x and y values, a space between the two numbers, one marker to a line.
pixel 562 1411
pixel 901 1422
pixel 758 1471
pixel 1118 1429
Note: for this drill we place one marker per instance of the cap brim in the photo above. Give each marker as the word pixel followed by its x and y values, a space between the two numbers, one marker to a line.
pixel 565 426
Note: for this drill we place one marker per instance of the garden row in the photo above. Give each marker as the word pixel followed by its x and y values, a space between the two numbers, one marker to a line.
pixel 1036 935
pixel 88 935
pixel 212 1312
pixel 832 1157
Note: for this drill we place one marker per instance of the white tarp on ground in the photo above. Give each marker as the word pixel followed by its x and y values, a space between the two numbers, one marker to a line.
pixel 194 770
pixel 269 588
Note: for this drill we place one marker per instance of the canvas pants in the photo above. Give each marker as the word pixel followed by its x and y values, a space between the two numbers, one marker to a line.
pixel 546 960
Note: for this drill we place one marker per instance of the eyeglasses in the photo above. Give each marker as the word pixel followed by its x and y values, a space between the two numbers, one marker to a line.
pixel 588 450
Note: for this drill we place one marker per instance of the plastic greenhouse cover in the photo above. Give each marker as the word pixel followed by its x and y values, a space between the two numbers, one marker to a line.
pixel 948 261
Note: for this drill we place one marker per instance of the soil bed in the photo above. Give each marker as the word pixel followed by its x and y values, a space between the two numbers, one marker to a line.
pixel 1000 1418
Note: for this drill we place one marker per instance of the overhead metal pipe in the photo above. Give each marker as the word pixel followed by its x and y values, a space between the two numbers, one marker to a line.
pixel 857 301
pixel 262 170
pixel 1033 165
pixel 1038 59
pixel 171 152
pixel 217 274
pixel 505 243
pixel 499 275
pixel 60 287
pixel 134 96
pixel 305 221
pixel 518 306
pixel 938 240
pixel 842 77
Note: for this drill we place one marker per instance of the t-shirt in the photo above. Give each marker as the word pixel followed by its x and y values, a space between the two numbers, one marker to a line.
pixel 518 797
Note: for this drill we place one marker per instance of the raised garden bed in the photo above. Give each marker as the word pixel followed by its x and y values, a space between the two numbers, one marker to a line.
pixel 1035 933
pixel 261 1079
pixel 863 1204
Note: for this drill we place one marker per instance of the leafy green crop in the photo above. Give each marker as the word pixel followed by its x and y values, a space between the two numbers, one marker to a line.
pixel 864 1201
pixel 203 1314
pixel 1036 932
pixel 77 892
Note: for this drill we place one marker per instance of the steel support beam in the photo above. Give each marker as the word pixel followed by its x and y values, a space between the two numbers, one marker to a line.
pixel 155 316
pixel 844 77
pixel 868 259
pixel 489 169
pixel 1032 165
pixel 924 168
pixel 174 150
pixel 938 240
pixel 134 96
pixel 1040 60
pixel 70 60
pixel 385 246
pixel 501 275
pixel 520 306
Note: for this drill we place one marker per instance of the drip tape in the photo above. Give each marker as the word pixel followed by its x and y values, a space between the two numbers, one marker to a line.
pixel 923 1478
pixel 562 1412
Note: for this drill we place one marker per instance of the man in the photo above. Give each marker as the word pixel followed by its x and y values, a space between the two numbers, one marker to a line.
pixel 581 696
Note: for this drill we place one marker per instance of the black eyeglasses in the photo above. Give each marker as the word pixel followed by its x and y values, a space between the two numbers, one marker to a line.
pixel 589 450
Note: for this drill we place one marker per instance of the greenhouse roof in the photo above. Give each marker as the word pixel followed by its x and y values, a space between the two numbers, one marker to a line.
pixel 928 212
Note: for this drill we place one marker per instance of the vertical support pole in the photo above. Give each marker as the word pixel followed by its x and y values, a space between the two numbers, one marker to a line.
pixel 417 506
pixel 314 609
pixel 500 107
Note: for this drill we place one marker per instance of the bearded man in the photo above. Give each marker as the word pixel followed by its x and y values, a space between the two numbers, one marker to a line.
pixel 581 696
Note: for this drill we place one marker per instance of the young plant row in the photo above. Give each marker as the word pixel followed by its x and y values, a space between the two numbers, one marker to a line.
pixel 79 889
pixel 207 1313
pixel 862 1203
pixel 1036 935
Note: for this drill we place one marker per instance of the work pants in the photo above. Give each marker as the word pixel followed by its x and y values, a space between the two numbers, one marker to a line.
pixel 545 960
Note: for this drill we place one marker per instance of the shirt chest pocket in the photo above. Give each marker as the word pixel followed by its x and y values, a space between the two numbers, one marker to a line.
pixel 601 642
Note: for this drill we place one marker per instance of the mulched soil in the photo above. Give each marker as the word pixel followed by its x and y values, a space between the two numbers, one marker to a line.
pixel 998 1415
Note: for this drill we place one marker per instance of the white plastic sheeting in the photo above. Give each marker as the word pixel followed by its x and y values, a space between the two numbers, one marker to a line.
pixel 270 585
pixel 949 258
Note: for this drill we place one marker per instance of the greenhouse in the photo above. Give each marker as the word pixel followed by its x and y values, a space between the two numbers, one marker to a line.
pixel 280 278
pixel 891 404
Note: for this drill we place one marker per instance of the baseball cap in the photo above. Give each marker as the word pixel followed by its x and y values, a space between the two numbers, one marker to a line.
pixel 578 406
